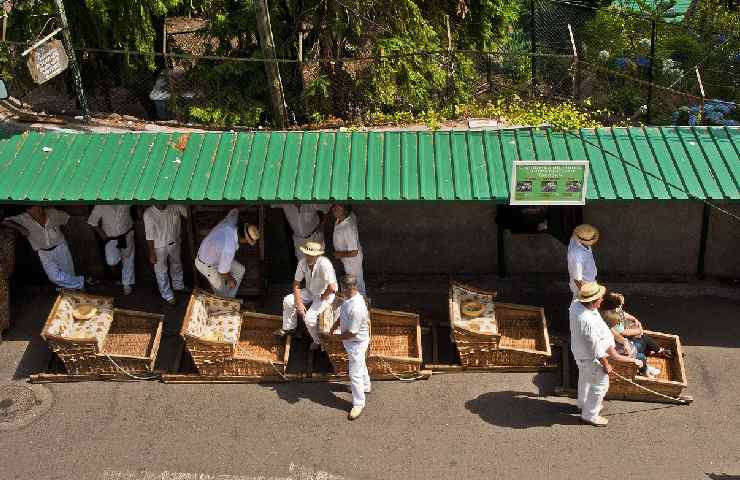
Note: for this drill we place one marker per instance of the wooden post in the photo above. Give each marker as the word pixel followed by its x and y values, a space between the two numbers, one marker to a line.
pixel 701 89
pixel 274 83
pixel 703 241
pixel 76 76
pixel 500 250
pixel 576 66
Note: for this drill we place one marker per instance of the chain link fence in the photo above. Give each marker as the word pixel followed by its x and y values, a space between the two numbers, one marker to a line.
pixel 633 68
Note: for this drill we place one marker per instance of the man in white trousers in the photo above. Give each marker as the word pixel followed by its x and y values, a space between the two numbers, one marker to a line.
pixel 581 264
pixel 306 222
pixel 346 241
pixel 42 227
pixel 216 255
pixel 592 344
pixel 116 227
pixel 318 295
pixel 354 325
pixel 162 228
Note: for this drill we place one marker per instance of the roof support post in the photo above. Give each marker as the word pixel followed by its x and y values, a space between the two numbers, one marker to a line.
pixel 501 251
pixel 703 241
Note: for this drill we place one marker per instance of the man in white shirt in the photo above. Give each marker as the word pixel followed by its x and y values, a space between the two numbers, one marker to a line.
pixel 216 255
pixel 42 227
pixel 162 228
pixel 592 344
pixel 306 222
pixel 354 323
pixel 117 232
pixel 321 285
pixel 581 264
pixel 346 241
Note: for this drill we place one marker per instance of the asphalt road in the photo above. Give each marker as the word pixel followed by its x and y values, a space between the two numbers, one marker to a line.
pixel 463 426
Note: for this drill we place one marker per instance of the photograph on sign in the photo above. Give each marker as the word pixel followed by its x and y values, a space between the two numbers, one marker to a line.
pixel 547 182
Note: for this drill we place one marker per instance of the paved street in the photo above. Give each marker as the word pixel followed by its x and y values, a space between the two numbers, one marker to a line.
pixel 463 426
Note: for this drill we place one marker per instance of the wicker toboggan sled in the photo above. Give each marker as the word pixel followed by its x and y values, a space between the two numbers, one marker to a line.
pixel 395 342
pixel 112 342
pixel 489 334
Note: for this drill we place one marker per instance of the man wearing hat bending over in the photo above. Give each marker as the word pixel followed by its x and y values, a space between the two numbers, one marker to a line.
pixel 216 254
pixel 116 227
pixel 592 344
pixel 581 264
pixel 162 227
pixel 354 323
pixel 321 284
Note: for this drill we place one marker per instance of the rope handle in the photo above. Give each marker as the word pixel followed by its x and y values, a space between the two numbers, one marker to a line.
pixel 675 399
pixel 151 377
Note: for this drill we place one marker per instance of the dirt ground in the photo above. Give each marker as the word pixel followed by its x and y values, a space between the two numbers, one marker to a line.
pixel 450 426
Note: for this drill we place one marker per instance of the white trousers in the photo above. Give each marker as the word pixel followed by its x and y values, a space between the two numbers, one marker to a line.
pixel 358 376
pixel 114 255
pixel 311 318
pixel 60 267
pixel 299 241
pixel 217 281
pixel 353 265
pixel 169 254
pixel 593 383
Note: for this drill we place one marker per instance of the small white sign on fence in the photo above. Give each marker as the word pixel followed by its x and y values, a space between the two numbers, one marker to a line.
pixel 47 61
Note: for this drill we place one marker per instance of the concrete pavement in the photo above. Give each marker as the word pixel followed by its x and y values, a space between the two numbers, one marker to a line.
pixel 463 426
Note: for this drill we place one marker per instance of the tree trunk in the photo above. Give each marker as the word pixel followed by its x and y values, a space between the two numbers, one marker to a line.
pixel 274 83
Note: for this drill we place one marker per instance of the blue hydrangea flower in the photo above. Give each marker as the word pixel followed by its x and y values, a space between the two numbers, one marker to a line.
pixel 643 62
pixel 622 63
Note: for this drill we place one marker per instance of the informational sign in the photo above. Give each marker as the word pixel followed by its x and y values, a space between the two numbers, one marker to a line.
pixel 47 61
pixel 548 183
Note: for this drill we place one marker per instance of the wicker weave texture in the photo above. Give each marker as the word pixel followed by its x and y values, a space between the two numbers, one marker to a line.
pixel 7 252
pixel 670 381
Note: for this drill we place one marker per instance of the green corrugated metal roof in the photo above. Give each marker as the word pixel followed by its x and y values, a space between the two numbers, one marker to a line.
pixel 675 14
pixel 626 163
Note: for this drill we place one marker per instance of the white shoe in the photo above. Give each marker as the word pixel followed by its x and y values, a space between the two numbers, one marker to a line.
pixel 368 390
pixel 355 412
pixel 127 290
pixel 597 421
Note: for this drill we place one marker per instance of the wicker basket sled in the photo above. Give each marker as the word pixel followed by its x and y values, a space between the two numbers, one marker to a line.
pixel 395 343
pixel 113 342
pixel 498 334
pixel 225 342
pixel 671 381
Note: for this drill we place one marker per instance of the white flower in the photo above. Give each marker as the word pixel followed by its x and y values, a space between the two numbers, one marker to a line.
pixel 644 42
pixel 604 55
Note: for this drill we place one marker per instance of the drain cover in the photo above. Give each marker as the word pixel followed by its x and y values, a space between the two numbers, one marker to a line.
pixel 22 404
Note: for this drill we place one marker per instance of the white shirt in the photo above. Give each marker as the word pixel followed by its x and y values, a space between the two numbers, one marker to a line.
pixel 303 220
pixel 590 337
pixel 47 236
pixel 354 317
pixel 163 226
pixel 317 279
pixel 581 264
pixel 346 238
pixel 220 245
pixel 116 219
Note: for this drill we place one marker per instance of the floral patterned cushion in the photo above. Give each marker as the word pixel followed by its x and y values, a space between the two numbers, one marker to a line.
pixel 485 322
pixel 64 325
pixel 214 319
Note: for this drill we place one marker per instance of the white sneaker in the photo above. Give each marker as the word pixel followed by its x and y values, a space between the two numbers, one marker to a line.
pixel 652 371
pixel 368 389
pixel 597 421
pixel 355 412
pixel 127 289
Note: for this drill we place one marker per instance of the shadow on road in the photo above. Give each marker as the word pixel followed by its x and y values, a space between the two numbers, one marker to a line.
pixel 722 476
pixel 521 410
pixel 321 393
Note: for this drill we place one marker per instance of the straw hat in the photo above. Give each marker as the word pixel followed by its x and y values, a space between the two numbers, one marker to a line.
pixel 84 312
pixel 586 234
pixel 472 309
pixel 251 232
pixel 590 291
pixel 312 249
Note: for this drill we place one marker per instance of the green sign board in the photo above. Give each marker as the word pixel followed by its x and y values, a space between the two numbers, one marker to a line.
pixel 548 183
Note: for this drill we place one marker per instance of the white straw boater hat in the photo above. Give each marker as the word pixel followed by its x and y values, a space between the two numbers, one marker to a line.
pixel 586 234
pixel 312 249
pixel 84 312
pixel 251 232
pixel 590 291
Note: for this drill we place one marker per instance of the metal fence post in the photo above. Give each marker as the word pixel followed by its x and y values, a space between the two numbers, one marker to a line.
pixel 76 75
pixel 653 39
pixel 533 41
